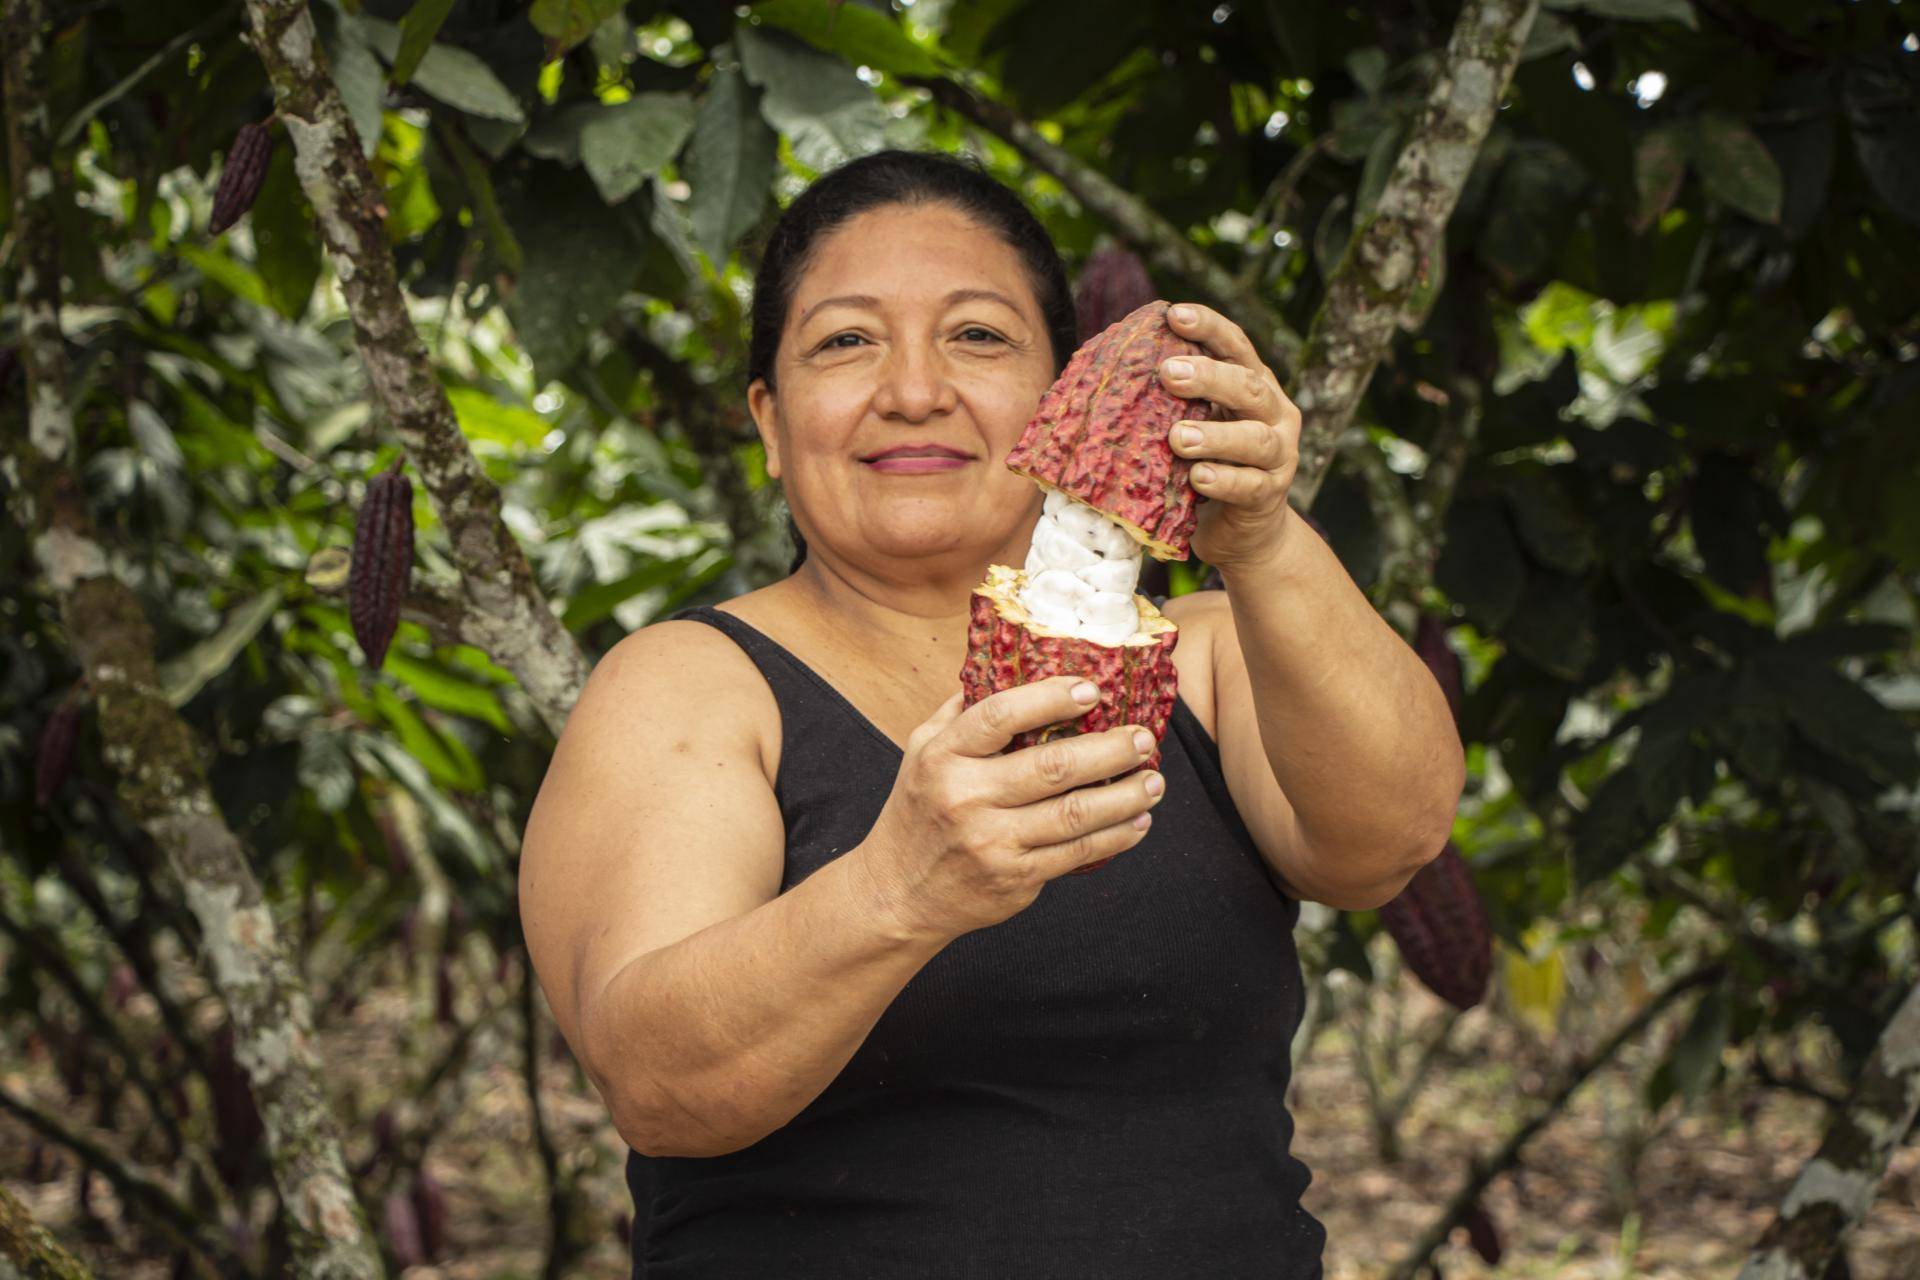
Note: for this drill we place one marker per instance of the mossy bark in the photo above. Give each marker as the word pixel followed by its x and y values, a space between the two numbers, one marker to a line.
pixel 162 780
pixel 29 1251
pixel 506 613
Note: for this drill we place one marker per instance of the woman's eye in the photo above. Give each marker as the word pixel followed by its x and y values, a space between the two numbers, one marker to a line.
pixel 835 340
pixel 976 329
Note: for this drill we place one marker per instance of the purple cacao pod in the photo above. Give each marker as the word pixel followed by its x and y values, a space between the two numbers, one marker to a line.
pixel 1441 928
pixel 382 562
pixel 242 176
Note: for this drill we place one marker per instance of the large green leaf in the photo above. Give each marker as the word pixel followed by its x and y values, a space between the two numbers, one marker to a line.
pixel 356 72
pixel 482 417
pixel 1846 721
pixel 445 757
pixel 417 30
pixel 565 23
pixel 861 36
pixel 827 114
pixel 1552 625
pixel 445 692
pixel 730 164
pixel 1883 108
pixel 624 145
pixel 579 258
pixel 1696 1054
pixel 286 250
pixel 185 674
pixel 1680 11
pixel 1480 565
pixel 1659 167
pixel 1551 524
pixel 454 76
pixel 1736 167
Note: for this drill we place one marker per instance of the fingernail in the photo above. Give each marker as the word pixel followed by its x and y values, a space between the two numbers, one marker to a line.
pixel 1186 437
pixel 1185 315
pixel 1203 475
pixel 1142 822
pixel 1085 693
pixel 1155 784
pixel 1143 742
pixel 1180 368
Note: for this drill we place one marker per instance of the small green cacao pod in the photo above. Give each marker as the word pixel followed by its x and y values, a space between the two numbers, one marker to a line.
pixel 242 175
pixel 59 743
pixel 1441 928
pixel 1113 284
pixel 382 562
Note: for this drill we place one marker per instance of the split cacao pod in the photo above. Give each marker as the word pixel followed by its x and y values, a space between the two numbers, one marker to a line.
pixel 242 176
pixel 1113 283
pixel 1100 433
pixel 1005 649
pixel 1430 642
pixel 59 743
pixel 382 562
pixel 1441 928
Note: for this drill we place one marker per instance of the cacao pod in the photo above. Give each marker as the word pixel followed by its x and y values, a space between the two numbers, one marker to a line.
pixel 59 742
pixel 402 1226
pixel 1113 283
pixel 1441 928
pixel 382 562
pixel 236 1120
pixel 1430 642
pixel 242 175
pixel 430 1211
pixel 1482 1234
pixel 1100 433
pixel 1137 681
pixel 9 366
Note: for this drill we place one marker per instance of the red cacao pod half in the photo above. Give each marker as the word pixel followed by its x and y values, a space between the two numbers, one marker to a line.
pixel 382 562
pixel 1005 648
pixel 1113 283
pixel 1100 433
pixel 242 175
pixel 1441 928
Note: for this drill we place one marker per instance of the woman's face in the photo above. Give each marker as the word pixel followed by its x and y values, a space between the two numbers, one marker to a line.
pixel 912 356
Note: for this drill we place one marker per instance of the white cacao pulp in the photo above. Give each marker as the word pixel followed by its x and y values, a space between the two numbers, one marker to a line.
pixel 1082 569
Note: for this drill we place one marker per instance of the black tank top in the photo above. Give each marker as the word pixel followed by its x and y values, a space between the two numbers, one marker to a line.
pixel 1095 1087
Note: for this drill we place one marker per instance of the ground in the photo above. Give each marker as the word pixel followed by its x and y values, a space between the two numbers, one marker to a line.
pixel 1694 1201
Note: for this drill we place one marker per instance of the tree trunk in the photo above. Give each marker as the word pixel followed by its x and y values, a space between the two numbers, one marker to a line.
pixel 29 1251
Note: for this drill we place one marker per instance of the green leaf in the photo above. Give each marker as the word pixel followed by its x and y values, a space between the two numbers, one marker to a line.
pixel 235 277
pixel 1827 644
pixel 1883 110
pixel 449 763
pixel 624 145
pixel 286 252
pixel 580 257
pixel 828 115
pixel 565 23
pixel 861 36
pixel 1552 625
pixel 687 575
pixel 445 692
pixel 1659 167
pixel 356 73
pixel 1846 721
pixel 1680 11
pixel 1480 565
pixel 454 76
pixel 1736 167
pixel 730 165
pixel 1696 1054
pixel 484 418
pixel 417 30
pixel 185 674
pixel 1550 522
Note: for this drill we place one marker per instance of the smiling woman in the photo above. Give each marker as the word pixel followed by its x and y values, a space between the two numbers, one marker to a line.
pixel 808 924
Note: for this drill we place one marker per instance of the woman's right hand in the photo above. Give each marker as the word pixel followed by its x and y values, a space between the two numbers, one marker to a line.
pixel 969 836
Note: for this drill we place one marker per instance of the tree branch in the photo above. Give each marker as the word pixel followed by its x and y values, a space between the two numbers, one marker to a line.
pixel 31 1248
pixel 506 613
pixel 1838 1185
pixel 162 781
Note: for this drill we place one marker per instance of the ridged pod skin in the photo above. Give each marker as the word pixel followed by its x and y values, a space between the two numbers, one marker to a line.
pixel 1004 650
pixel 1430 642
pixel 1100 433
pixel 1441 928
pixel 382 563
pixel 242 175
pixel 1113 283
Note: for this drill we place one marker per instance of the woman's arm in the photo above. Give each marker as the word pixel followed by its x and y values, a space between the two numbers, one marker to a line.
pixel 707 1007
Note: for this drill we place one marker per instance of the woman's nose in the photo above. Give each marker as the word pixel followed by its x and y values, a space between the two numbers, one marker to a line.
pixel 914 384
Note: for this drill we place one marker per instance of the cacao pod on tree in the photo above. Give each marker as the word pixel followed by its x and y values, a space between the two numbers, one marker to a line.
pixel 1482 1234
pixel 59 742
pixel 402 1230
pixel 1430 642
pixel 236 1120
pixel 242 175
pixel 382 562
pixel 1113 283
pixel 430 1212
pixel 1441 928
pixel 9 366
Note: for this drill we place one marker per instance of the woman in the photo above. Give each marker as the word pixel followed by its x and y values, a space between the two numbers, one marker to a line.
pixel 804 925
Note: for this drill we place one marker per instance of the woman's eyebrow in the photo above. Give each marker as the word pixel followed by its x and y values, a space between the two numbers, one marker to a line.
pixel 870 302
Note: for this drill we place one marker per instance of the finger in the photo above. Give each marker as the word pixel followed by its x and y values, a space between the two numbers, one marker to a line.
pixel 1089 809
pixel 1219 335
pixel 1254 488
pixel 1249 443
pixel 943 715
pixel 1049 768
pixel 1059 859
pixel 1243 391
pixel 991 723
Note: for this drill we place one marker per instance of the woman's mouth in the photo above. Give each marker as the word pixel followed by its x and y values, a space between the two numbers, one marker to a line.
pixel 917 460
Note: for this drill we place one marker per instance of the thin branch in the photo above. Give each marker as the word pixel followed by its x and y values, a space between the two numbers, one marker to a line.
pixel 1275 203
pixel 31 1249
pixel 1484 1169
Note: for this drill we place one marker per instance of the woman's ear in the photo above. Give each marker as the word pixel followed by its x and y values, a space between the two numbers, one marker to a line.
pixel 760 403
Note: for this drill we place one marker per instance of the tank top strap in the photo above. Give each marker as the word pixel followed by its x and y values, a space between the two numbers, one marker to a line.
pixel 778 666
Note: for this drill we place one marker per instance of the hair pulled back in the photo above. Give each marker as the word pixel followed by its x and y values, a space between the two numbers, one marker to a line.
pixel 876 181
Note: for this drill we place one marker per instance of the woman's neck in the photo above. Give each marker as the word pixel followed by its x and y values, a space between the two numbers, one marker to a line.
pixel 882 613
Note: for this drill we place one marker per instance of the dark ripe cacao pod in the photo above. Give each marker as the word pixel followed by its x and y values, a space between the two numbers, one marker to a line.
pixel 382 562
pixel 59 742
pixel 402 1226
pixel 1441 928
pixel 386 1132
pixel 1112 283
pixel 236 1121
pixel 9 365
pixel 1482 1234
pixel 430 1211
pixel 1100 433
pixel 242 175
pixel 1430 642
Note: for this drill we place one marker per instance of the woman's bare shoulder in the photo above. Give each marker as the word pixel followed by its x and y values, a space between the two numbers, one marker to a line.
pixel 1202 616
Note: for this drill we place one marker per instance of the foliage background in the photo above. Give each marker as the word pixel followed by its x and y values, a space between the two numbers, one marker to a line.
pixel 1658 424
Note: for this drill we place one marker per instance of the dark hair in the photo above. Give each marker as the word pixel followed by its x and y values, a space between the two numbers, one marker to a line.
pixel 877 181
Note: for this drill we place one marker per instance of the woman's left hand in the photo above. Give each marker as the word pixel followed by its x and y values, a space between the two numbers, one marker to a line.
pixel 1245 463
